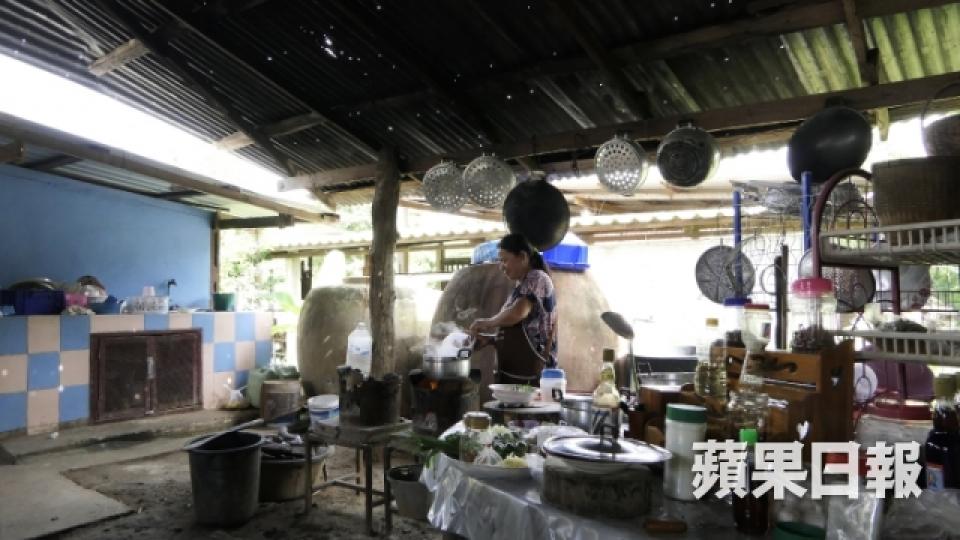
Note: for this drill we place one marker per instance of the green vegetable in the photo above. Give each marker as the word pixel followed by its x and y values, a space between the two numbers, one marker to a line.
pixel 509 444
pixel 431 446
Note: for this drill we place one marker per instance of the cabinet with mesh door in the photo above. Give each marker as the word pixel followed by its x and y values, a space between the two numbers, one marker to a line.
pixel 136 374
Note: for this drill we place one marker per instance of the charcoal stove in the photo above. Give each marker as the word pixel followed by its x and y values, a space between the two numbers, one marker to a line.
pixel 441 403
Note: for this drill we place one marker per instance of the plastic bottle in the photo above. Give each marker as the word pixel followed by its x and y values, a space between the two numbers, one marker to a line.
pixel 550 379
pixel 685 425
pixel 751 514
pixel 359 348
pixel 942 449
pixel 711 373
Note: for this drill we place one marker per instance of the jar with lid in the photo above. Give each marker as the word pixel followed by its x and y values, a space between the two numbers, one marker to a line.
pixel 553 384
pixel 710 379
pixel 730 319
pixel 685 425
pixel 476 437
pixel 747 409
pixel 813 314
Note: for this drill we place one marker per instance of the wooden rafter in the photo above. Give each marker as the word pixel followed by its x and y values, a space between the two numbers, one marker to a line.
pixel 418 62
pixel 287 126
pixel 867 59
pixel 200 25
pixel 783 19
pixel 51 163
pixel 179 63
pixel 769 114
pixel 611 71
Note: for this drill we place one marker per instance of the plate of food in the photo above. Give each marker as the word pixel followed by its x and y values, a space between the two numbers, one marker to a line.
pixel 513 394
pixel 503 459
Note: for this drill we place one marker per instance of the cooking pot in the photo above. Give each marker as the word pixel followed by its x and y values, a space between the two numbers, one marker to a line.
pixel 577 410
pixel 687 156
pixel 538 211
pixel 448 367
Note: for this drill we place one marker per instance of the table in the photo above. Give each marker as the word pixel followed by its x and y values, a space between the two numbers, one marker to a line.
pixel 506 510
pixel 365 439
pixel 542 411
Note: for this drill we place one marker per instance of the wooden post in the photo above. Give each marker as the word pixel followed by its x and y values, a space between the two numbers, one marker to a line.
pixel 386 198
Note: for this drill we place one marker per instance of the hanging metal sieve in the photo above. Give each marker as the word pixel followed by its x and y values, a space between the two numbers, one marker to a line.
pixel 443 187
pixel 487 180
pixel 716 274
pixel 621 165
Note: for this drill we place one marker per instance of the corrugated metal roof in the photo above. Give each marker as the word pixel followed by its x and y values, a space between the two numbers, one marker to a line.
pixel 282 59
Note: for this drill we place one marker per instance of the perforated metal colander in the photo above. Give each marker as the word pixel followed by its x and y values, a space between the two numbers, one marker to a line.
pixel 443 187
pixel 487 180
pixel 621 165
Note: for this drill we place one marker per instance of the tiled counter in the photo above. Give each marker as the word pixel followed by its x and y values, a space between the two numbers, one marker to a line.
pixel 45 360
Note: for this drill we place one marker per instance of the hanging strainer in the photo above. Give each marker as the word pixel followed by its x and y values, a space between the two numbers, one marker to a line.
pixel 443 187
pixel 487 180
pixel 716 272
pixel 621 165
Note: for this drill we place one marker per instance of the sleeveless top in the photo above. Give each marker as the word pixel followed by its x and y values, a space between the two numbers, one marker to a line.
pixel 541 323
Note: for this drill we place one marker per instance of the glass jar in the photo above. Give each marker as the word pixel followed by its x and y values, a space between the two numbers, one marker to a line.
pixel 476 437
pixel 730 319
pixel 813 314
pixel 755 326
pixel 747 410
pixel 710 378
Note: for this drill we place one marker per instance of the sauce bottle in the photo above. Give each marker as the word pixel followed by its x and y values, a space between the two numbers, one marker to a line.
pixel 942 449
pixel 751 513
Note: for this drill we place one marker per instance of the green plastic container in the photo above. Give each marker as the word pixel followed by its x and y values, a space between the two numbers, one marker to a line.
pixel 792 530
pixel 224 301
pixel 255 383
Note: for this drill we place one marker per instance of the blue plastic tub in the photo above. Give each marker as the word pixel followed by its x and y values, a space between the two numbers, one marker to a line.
pixel 565 256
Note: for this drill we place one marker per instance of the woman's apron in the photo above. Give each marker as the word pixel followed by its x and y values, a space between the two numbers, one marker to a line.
pixel 517 361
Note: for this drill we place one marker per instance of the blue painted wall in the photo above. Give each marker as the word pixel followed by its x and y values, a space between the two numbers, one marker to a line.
pixel 62 229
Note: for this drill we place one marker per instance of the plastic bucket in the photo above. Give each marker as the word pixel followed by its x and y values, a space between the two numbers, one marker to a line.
pixel 224 301
pixel 413 498
pixel 225 478
pixel 323 408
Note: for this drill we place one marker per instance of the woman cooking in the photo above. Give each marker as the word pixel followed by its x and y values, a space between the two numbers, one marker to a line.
pixel 528 319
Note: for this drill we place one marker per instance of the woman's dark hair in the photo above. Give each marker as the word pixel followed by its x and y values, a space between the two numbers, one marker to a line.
pixel 517 244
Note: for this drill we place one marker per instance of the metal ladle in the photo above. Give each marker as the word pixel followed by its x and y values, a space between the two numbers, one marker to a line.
pixel 622 328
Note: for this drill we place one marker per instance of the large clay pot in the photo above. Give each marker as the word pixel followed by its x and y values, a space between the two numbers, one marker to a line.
pixel 328 316
pixel 834 139
pixel 480 291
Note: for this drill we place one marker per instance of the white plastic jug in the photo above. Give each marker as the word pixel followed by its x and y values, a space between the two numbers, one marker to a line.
pixel 359 348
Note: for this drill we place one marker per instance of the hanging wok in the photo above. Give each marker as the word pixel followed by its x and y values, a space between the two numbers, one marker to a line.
pixel 830 141
pixel 538 211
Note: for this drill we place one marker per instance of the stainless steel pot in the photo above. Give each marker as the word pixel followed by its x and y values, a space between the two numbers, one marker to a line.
pixel 577 410
pixel 448 367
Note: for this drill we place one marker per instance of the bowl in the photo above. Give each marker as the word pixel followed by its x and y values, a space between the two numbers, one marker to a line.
pixel 513 394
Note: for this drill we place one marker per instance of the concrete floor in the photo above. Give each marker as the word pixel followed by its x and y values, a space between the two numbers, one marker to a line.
pixel 131 479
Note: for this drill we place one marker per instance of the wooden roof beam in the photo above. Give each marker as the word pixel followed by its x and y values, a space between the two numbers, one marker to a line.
pixel 179 63
pixel 867 59
pixel 786 19
pixel 86 149
pixel 624 92
pixel 418 62
pixel 201 21
pixel 287 126
pixel 772 114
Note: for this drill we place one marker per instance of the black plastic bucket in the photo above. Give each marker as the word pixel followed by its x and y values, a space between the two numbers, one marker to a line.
pixel 225 477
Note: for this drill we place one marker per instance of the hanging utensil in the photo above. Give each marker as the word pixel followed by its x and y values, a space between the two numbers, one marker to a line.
pixel 487 180
pixel 622 328
pixel 621 165
pixel 443 187
pixel 716 277
pixel 687 156
pixel 537 210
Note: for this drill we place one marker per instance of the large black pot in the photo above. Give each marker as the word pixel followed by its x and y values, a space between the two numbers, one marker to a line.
pixel 830 141
pixel 538 211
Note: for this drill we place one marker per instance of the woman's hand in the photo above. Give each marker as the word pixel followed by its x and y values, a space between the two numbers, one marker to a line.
pixel 480 325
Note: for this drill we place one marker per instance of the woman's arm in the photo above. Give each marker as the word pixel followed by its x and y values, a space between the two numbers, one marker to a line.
pixel 509 316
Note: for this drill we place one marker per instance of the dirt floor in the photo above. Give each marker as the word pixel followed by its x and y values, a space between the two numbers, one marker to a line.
pixel 158 490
